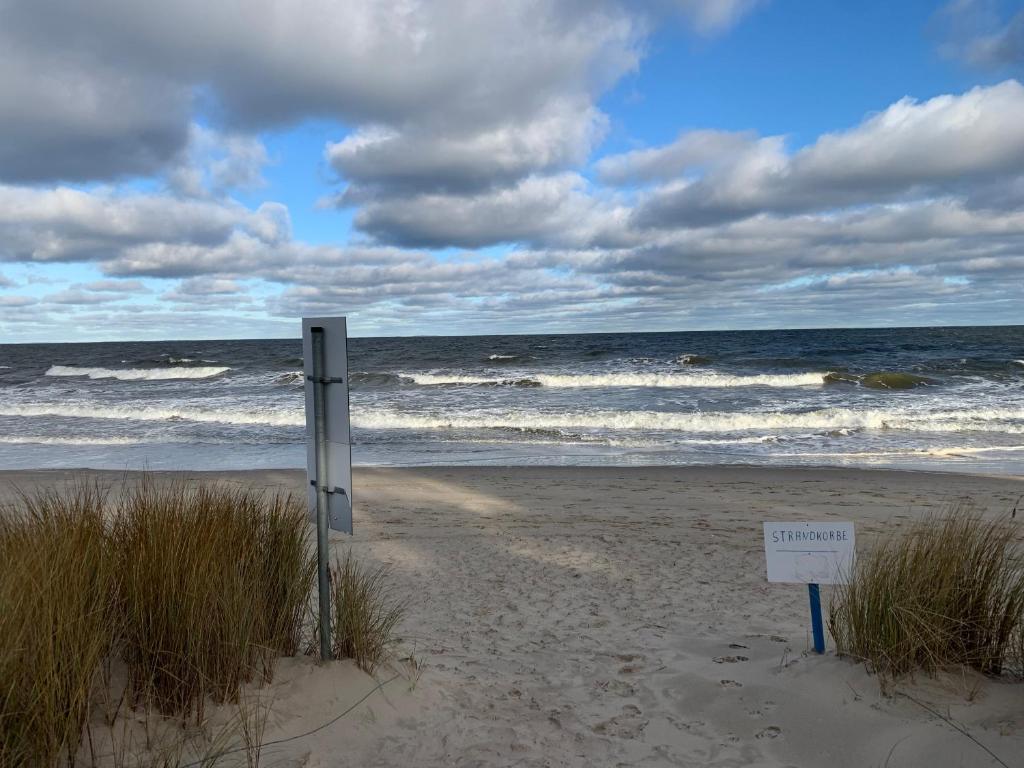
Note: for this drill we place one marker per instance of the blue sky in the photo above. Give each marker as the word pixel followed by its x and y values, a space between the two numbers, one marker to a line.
pixel 545 167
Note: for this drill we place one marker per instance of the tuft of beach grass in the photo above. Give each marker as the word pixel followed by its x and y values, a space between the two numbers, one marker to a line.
pixel 948 592
pixel 365 613
pixel 214 585
pixel 194 589
pixel 56 624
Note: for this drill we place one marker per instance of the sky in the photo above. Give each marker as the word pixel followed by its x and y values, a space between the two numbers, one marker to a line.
pixel 221 168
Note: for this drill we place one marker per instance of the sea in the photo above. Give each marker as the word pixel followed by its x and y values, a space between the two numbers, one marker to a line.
pixel 947 399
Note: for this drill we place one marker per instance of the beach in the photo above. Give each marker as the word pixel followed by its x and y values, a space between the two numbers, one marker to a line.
pixel 574 616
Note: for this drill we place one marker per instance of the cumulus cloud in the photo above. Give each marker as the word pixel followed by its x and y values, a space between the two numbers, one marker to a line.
pixel 550 210
pixel 467 126
pixel 68 225
pixel 215 163
pixel 118 98
pixel 910 148
pixel 449 159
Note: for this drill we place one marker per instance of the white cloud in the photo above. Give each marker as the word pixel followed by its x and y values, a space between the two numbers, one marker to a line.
pixel 551 210
pixel 911 148
pixel 712 16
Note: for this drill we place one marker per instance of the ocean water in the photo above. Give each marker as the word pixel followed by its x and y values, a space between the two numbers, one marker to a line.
pixel 938 398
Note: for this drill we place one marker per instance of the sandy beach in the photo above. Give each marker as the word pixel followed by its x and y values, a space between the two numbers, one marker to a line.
pixel 617 617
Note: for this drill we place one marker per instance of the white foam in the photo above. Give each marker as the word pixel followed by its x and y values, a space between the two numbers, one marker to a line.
pixel 41 440
pixel 681 380
pixel 137 374
pixel 502 357
pixel 666 380
pixel 1019 362
pixel 273 417
pixel 828 419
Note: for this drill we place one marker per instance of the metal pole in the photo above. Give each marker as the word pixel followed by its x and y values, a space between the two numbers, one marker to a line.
pixel 322 526
pixel 816 625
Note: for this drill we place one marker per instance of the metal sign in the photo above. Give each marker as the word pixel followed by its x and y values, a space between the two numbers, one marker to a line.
pixel 809 553
pixel 328 440
pixel 328 447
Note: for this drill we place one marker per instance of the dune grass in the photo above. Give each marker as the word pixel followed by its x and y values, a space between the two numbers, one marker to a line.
pixel 365 613
pixel 192 589
pixel 948 592
pixel 214 585
pixel 55 622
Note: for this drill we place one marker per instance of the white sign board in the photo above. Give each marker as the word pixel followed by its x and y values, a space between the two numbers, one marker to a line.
pixel 809 553
pixel 337 443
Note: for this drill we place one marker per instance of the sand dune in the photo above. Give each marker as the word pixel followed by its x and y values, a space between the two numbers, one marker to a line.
pixel 619 617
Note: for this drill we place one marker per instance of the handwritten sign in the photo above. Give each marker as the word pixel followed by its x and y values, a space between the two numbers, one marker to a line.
pixel 809 553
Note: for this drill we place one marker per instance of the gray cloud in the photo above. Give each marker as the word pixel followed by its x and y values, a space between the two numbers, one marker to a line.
pixel 975 33
pixel 911 148
pixel 68 225
pixel 539 209
pixel 469 129
pixel 115 286
pixel 117 99
pixel 452 159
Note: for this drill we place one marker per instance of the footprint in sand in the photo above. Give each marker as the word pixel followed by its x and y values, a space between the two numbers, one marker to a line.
pixel 770 732
pixel 729 659
pixel 730 684
pixel 628 725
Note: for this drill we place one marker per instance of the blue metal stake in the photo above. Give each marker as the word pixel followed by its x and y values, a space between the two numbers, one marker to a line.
pixel 816 626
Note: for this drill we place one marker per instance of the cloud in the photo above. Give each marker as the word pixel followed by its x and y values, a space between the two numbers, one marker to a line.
pixel 539 209
pixel 692 151
pixel 115 286
pixel 975 34
pixel 215 163
pixel 449 159
pixel 911 148
pixel 119 98
pixel 15 302
pixel 195 287
pixel 70 225
pixel 713 16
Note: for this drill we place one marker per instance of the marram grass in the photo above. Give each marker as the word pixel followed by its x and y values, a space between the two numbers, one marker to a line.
pixel 948 592
pixel 191 589
pixel 56 622
pixel 213 586
pixel 365 613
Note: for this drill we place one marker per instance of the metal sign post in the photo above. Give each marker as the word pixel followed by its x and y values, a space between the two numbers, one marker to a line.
pixel 328 447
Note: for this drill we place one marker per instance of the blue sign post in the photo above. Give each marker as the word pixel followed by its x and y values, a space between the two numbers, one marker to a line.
pixel 812 554
pixel 816 625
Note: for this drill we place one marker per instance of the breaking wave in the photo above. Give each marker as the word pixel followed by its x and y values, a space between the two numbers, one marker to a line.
pixel 880 380
pixel 138 374
pixel 828 419
pixel 666 380
pixel 44 440
pixel 273 417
